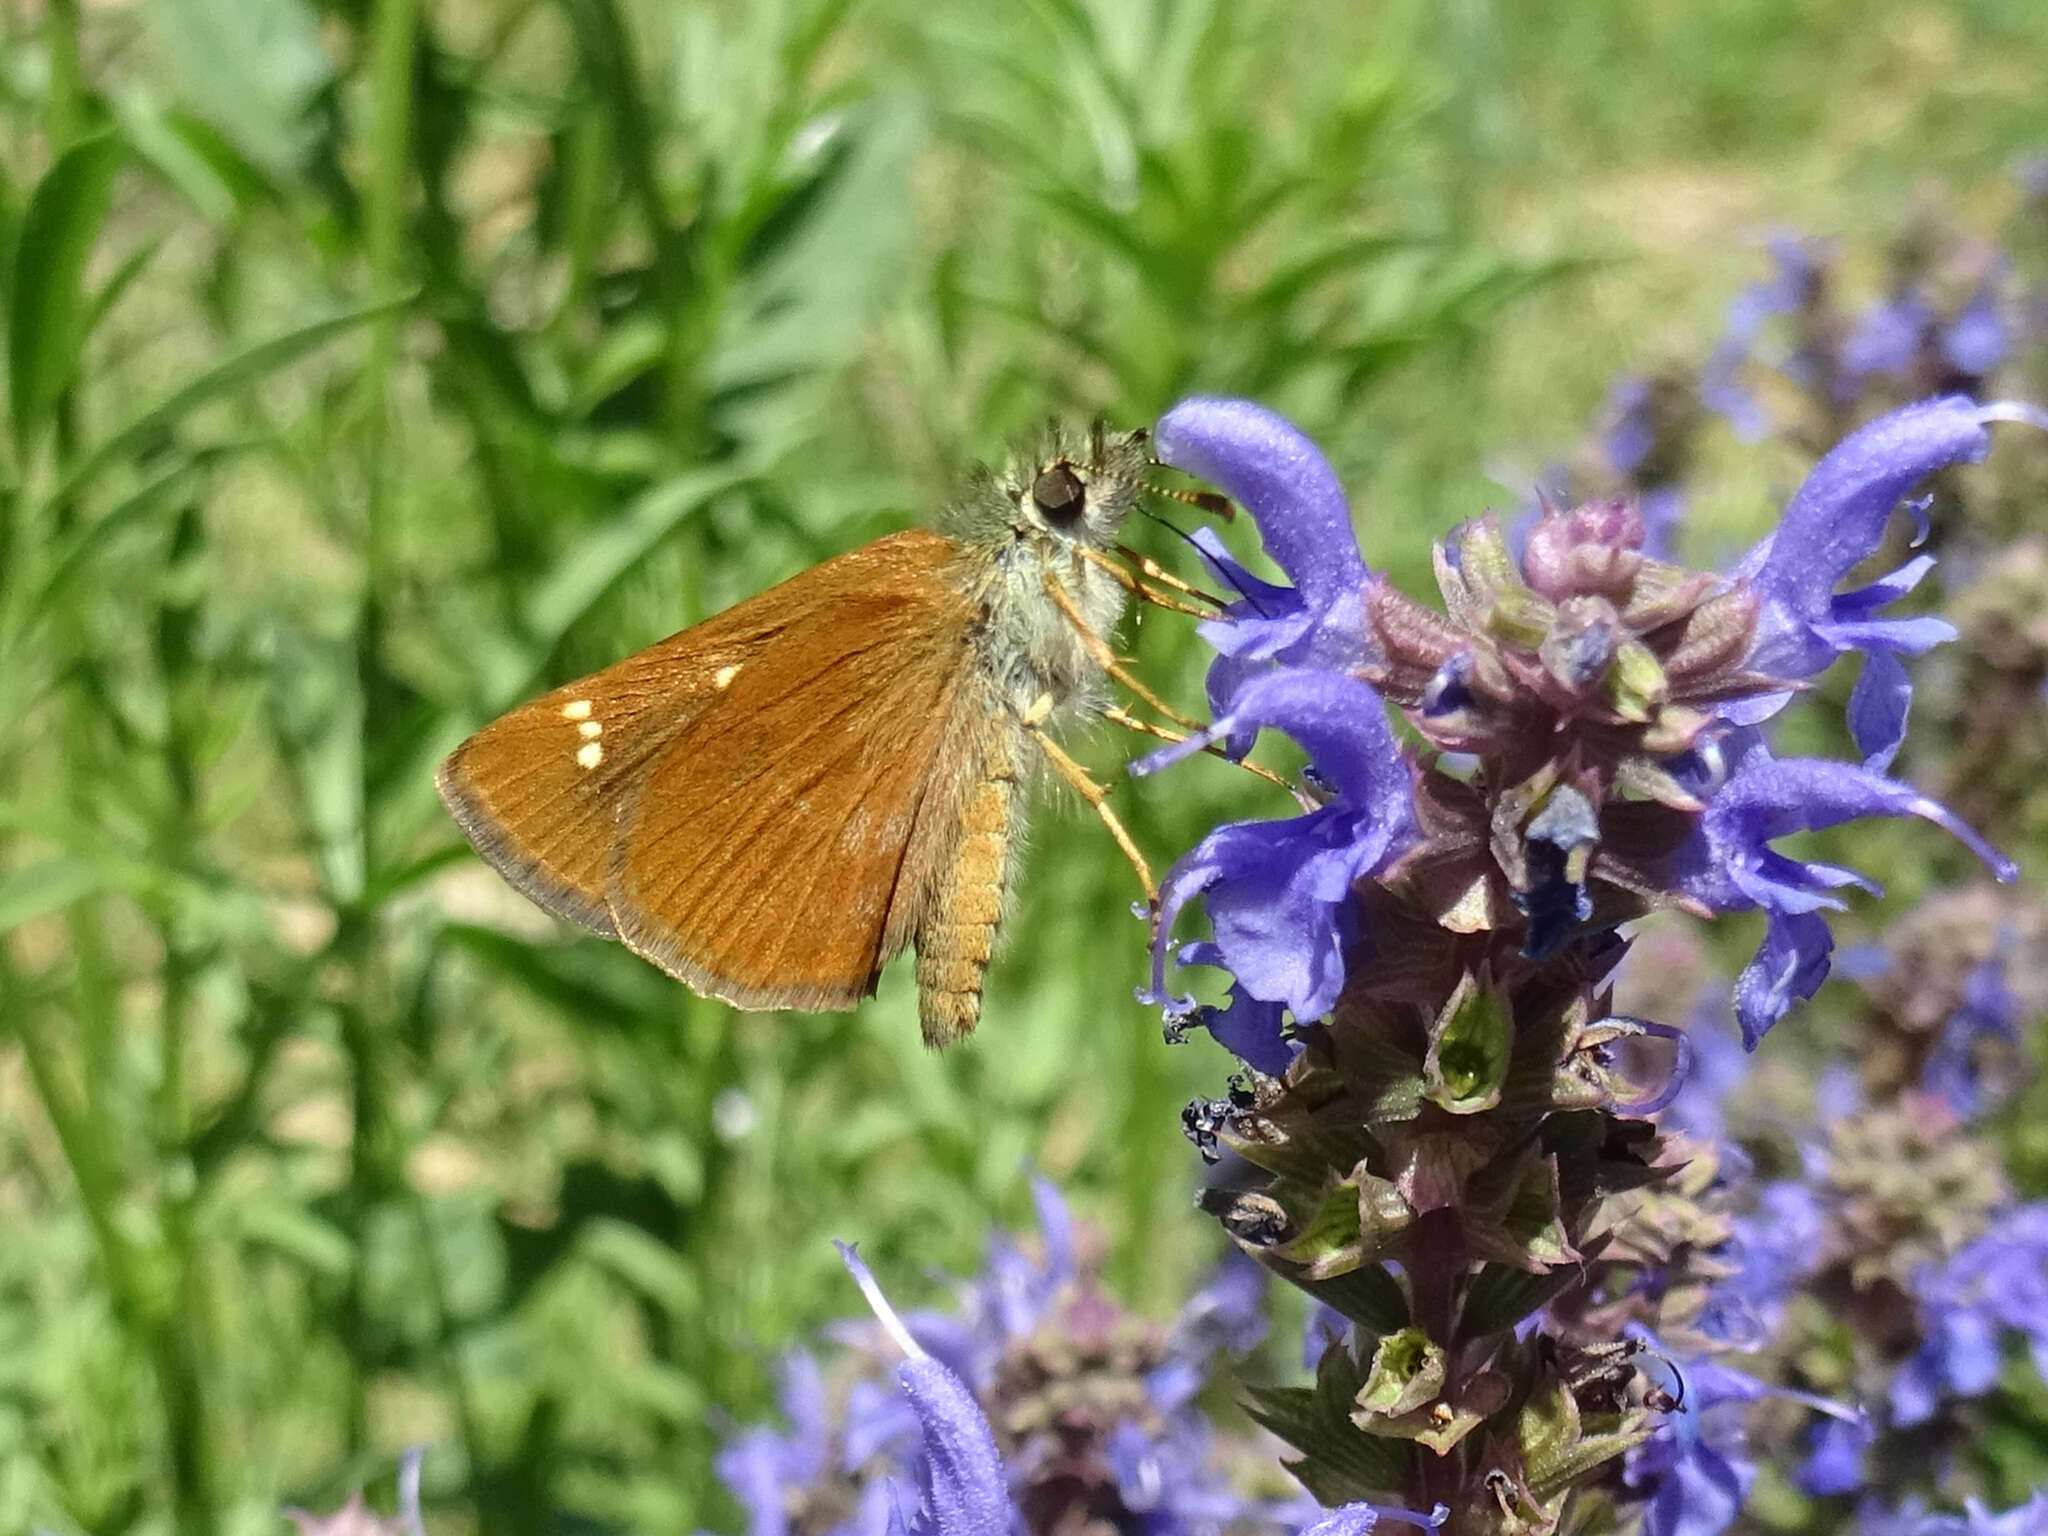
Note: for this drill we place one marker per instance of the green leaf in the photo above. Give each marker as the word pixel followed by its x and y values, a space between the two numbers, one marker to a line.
pixel 655 1271
pixel 10 226
pixel 1290 282
pixel 244 367
pixel 1339 1461
pixel 47 322
pixel 295 1231
pixel 76 555
pixel 45 887
pixel 1368 1296
pixel 132 266
pixel 203 167
pixel 316 710
pixel 592 983
pixel 830 249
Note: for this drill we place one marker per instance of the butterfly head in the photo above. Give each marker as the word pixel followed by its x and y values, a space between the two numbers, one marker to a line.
pixel 1070 486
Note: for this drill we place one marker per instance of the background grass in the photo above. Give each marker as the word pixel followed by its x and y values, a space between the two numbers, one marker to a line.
pixel 371 365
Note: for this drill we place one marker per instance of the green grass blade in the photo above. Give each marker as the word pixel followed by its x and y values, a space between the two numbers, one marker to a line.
pixel 589 570
pixel 47 323
pixel 44 887
pixel 243 367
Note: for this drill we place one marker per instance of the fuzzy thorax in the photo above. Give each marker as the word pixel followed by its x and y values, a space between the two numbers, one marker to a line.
pixel 1029 526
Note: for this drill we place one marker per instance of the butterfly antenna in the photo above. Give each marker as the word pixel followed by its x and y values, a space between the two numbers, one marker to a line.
pixel 1215 503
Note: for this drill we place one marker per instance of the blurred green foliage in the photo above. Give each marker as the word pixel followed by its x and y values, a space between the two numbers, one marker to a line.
pixel 372 363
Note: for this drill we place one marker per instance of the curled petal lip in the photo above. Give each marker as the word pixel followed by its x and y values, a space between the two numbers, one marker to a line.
pixel 1737 868
pixel 1837 518
pixel 1269 466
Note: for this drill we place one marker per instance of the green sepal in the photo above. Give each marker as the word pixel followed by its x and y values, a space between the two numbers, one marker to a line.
pixel 1407 1372
pixel 1559 1449
pixel 1384 1076
pixel 1357 1218
pixel 1520 618
pixel 1403 1396
pixel 1469 1048
pixel 1501 1295
pixel 1484 570
pixel 1636 684
pixel 1516 1216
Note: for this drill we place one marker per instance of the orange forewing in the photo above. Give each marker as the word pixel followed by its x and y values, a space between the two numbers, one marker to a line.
pixel 534 811
pixel 780 851
pixel 759 804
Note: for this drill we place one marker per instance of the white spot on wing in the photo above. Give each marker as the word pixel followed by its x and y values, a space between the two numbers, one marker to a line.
pixel 590 730
pixel 723 677
pixel 590 754
pixel 576 709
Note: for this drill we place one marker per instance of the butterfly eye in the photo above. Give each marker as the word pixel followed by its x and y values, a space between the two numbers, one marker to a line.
pixel 1059 496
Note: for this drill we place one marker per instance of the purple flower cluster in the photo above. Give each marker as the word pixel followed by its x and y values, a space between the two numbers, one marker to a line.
pixel 1039 1405
pixel 1896 1222
pixel 1695 1472
pixel 1937 330
pixel 1280 893
pixel 1978 1519
pixel 1994 1289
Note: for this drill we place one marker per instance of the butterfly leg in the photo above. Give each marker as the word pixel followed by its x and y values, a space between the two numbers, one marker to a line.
pixel 1097 797
pixel 1130 722
pixel 1143 593
pixel 1106 658
pixel 1152 570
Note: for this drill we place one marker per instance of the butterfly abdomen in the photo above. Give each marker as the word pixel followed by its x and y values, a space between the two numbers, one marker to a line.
pixel 956 930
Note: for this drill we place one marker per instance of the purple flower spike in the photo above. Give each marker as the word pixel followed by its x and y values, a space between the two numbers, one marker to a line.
pixel 966 1492
pixel 1797 280
pixel 2028 1519
pixel 1631 432
pixel 1736 869
pixel 1886 340
pixel 1835 1451
pixel 1990 1011
pixel 1263 462
pixel 1994 1286
pixel 758 1466
pixel 1275 890
pixel 1977 340
pixel 1836 520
